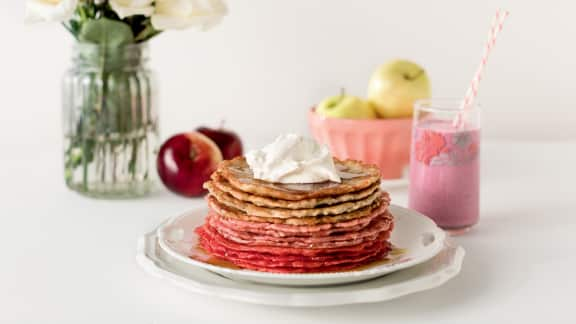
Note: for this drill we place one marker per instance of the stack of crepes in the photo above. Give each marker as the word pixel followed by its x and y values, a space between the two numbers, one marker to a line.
pixel 297 228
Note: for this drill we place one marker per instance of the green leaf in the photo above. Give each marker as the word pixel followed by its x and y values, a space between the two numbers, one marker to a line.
pixel 106 32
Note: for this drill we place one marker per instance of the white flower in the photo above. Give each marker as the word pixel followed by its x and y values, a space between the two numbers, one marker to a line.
pixel 180 14
pixel 49 10
pixel 127 8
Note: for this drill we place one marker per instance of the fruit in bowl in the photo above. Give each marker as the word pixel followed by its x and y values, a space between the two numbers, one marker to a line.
pixel 185 161
pixel 395 86
pixel 346 106
pixel 376 130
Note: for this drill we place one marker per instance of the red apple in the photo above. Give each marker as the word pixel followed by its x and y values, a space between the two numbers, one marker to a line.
pixel 186 161
pixel 228 142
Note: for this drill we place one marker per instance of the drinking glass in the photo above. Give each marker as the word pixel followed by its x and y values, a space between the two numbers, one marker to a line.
pixel 444 163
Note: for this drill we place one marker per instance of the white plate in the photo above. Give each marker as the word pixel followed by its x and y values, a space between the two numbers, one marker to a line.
pixel 414 233
pixel 433 273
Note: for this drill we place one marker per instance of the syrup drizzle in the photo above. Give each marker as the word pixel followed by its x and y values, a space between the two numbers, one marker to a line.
pixel 201 255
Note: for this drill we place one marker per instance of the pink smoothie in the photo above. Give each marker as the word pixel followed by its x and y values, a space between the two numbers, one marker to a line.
pixel 444 173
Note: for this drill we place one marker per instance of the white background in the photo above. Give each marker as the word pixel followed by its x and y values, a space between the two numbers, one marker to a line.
pixel 271 60
pixel 64 258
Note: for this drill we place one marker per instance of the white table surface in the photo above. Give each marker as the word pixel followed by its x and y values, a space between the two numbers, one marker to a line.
pixel 66 258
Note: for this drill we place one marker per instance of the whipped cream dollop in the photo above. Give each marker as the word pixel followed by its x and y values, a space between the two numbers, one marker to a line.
pixel 292 158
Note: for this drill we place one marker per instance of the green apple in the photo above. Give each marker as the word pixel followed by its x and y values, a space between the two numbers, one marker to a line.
pixel 346 106
pixel 395 86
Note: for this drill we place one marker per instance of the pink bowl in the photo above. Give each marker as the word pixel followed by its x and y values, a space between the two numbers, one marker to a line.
pixel 383 142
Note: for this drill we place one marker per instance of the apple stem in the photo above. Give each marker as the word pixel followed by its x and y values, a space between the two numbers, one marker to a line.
pixel 342 92
pixel 222 123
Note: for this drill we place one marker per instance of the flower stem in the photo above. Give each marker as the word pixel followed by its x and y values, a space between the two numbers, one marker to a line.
pixel 84 164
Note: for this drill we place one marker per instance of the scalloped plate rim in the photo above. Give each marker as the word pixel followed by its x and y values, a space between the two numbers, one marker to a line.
pixel 307 278
pixel 155 266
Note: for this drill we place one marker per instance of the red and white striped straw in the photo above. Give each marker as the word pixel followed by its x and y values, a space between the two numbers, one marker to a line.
pixel 472 92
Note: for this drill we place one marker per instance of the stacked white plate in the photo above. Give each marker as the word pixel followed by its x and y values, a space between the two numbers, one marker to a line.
pixel 428 260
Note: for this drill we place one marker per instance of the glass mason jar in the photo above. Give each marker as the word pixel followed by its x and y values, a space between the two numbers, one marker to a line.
pixel 110 121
